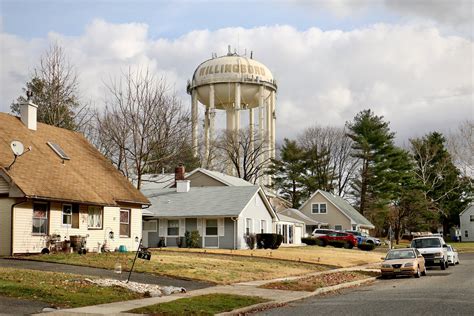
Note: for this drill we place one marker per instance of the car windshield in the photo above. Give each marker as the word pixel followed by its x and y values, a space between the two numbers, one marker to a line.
pixel 426 243
pixel 400 254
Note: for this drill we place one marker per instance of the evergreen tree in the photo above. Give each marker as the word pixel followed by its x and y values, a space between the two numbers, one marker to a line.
pixel 373 145
pixel 445 190
pixel 287 172
pixel 54 86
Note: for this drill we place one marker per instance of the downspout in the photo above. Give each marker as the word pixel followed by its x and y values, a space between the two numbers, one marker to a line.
pixel 11 223
pixel 235 219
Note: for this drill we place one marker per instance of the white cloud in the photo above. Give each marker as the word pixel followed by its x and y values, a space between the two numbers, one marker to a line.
pixel 419 79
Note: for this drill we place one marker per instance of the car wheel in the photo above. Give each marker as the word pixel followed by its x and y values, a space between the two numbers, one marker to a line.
pixel 347 245
pixel 370 242
pixel 424 272
pixel 443 266
pixel 417 274
pixel 458 262
pixel 447 264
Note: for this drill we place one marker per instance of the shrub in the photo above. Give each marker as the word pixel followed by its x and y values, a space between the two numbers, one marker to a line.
pixel 251 240
pixel 161 243
pixel 192 239
pixel 366 246
pixel 278 241
pixel 180 242
pixel 269 241
pixel 310 241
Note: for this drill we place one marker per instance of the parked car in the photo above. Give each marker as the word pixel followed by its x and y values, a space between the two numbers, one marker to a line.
pixel 406 261
pixel 321 232
pixel 453 256
pixel 434 250
pixel 364 238
pixel 338 239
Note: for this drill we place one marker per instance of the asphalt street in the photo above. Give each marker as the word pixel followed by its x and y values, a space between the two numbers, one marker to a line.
pixel 448 292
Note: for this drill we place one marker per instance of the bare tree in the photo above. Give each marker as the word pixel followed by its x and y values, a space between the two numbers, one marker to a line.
pixel 54 85
pixel 248 154
pixel 338 165
pixel 143 125
pixel 460 145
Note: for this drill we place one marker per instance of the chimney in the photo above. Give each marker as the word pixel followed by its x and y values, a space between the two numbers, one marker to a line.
pixel 179 173
pixel 183 186
pixel 28 114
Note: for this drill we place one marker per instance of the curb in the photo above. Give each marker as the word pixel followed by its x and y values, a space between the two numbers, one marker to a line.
pixel 274 304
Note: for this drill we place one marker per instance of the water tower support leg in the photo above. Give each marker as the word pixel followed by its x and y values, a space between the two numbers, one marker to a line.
pixel 194 122
pixel 251 129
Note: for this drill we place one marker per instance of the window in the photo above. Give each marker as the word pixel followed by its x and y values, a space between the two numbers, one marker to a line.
pixel 40 219
pixel 211 227
pixel 263 226
pixel 472 218
pixel 338 227
pixel 67 215
pixel 466 233
pixel 318 208
pixel 124 223
pixel 173 227
pixel 95 217
pixel 248 226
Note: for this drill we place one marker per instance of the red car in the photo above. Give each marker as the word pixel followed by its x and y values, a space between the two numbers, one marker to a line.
pixel 338 239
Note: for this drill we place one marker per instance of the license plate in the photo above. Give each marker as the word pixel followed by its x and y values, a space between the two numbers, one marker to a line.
pixel 396 270
pixel 436 261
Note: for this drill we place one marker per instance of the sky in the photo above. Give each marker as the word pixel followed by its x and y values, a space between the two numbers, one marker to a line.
pixel 409 61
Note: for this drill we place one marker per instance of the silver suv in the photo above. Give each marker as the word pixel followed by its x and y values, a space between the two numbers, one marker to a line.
pixel 433 249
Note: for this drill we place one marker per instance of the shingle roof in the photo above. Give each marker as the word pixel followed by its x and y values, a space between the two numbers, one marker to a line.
pixel 348 209
pixel 88 177
pixel 200 201
pixel 289 219
pixel 224 178
pixel 294 213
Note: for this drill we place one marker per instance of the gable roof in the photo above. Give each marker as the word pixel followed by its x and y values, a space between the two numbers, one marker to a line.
pixel 88 177
pixel 296 214
pixel 289 219
pixel 466 209
pixel 202 201
pixel 221 177
pixel 343 206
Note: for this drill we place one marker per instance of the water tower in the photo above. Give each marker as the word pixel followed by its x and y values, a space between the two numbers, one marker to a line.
pixel 238 85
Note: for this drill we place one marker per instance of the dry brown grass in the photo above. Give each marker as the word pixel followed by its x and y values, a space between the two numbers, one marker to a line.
pixel 311 254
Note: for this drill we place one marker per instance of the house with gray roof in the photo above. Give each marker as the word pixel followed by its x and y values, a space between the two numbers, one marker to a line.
pixel 325 207
pixel 223 215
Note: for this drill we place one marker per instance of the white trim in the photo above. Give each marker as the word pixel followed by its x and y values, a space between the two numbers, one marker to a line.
pixel 205 227
pixel 199 226
pixel 319 208
pixel 163 227
pixel 62 215
pixel 167 226
pixel 182 226
pixel 221 227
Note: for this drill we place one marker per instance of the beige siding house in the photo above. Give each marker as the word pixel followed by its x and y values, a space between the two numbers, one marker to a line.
pixel 61 189
pixel 325 207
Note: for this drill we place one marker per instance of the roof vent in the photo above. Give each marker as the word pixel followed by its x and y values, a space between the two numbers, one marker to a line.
pixel 58 150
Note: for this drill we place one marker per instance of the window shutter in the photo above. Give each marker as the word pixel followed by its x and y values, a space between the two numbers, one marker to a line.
pixel 163 227
pixel 220 226
pixel 199 226
pixel 182 226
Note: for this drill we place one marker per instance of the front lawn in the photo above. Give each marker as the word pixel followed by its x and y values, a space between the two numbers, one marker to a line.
pixel 465 246
pixel 330 256
pixel 209 304
pixel 58 289
pixel 221 269
pixel 315 282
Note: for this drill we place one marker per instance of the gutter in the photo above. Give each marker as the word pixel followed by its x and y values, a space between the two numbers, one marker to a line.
pixel 11 223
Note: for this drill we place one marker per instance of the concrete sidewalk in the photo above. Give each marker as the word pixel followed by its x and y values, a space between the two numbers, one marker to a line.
pixel 275 297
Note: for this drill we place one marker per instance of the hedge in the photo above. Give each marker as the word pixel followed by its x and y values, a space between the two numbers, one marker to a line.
pixel 366 246
pixel 269 241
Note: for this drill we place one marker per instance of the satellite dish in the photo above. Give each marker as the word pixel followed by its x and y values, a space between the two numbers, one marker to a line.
pixel 17 147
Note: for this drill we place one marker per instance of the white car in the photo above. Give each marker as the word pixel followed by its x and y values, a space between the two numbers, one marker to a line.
pixel 318 232
pixel 434 249
pixel 453 257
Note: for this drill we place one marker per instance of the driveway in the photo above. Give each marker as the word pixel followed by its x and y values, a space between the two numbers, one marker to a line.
pixel 448 292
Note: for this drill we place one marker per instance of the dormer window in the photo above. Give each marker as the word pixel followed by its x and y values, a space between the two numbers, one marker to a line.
pixel 58 150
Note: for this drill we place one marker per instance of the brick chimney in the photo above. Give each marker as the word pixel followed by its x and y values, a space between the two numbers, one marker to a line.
pixel 179 173
pixel 182 185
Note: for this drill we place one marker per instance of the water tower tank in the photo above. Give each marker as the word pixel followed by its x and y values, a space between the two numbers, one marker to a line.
pixel 235 84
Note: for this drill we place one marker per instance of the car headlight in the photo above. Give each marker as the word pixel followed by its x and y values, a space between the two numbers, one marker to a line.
pixel 386 265
pixel 408 264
